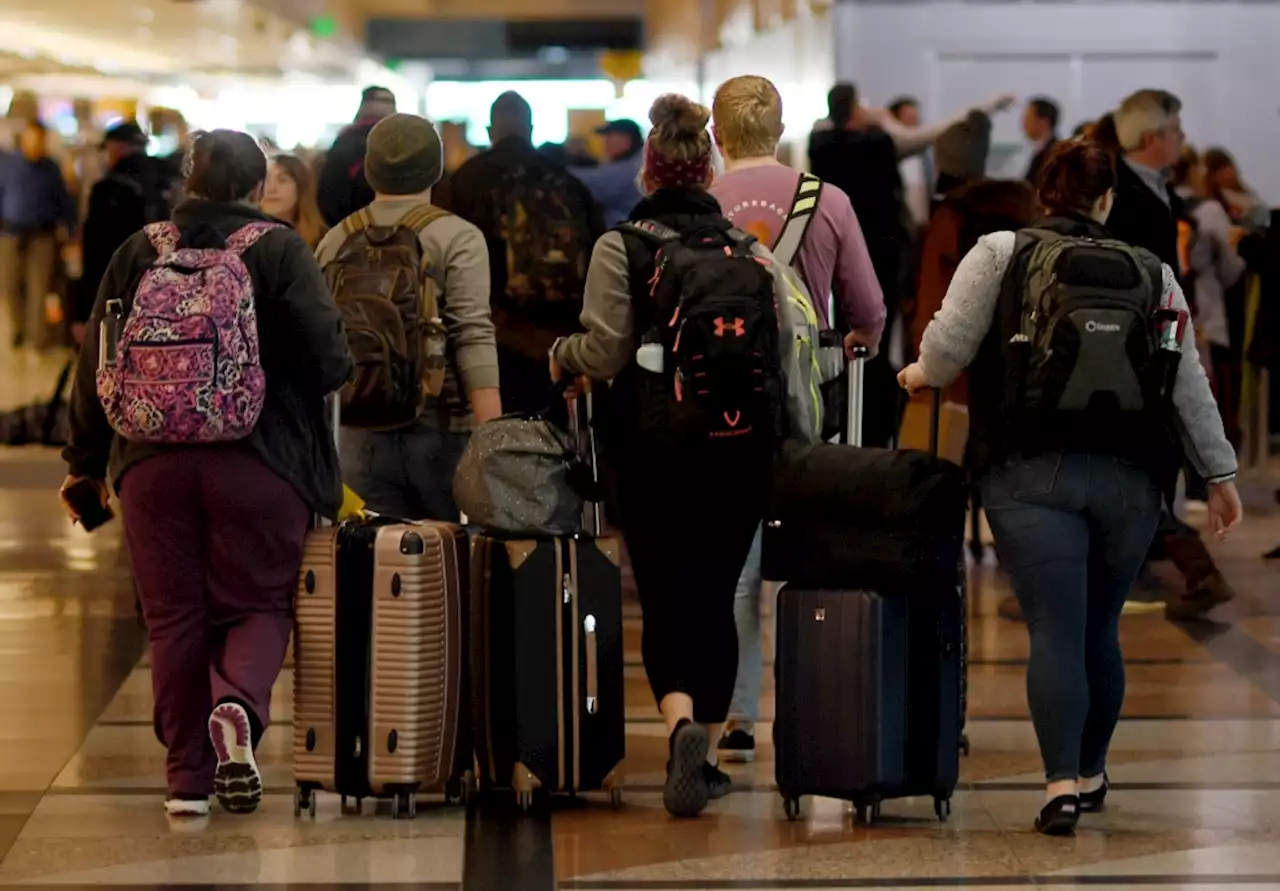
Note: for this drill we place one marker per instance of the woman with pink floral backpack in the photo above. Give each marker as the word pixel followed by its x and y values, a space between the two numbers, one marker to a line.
pixel 200 398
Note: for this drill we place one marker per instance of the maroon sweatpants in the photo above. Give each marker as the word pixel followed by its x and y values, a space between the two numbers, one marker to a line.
pixel 216 540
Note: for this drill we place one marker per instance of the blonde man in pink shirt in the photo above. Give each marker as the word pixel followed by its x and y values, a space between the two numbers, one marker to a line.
pixel 811 226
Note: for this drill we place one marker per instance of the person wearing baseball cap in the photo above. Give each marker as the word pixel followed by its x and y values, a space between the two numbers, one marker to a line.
pixel 408 472
pixel 613 184
pixel 124 136
pixel 134 192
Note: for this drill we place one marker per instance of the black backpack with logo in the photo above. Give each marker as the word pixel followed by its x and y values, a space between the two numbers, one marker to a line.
pixel 1082 331
pixel 713 313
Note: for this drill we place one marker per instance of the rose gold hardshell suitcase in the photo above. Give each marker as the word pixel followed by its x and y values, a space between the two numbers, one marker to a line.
pixel 380 652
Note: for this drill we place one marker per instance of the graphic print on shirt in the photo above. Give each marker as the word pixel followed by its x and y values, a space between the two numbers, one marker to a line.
pixel 762 220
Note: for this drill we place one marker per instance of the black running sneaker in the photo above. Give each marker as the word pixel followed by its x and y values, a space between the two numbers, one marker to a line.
pixel 737 747
pixel 719 783
pixel 685 793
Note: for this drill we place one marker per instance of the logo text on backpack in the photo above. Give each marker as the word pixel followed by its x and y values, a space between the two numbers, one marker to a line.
pixel 1094 327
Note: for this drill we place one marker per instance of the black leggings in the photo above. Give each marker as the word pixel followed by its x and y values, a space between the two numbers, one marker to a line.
pixel 688 525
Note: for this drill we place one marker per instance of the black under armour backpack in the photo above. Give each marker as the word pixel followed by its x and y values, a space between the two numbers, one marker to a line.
pixel 715 318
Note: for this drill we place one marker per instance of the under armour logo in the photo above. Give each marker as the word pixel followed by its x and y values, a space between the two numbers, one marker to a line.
pixel 739 327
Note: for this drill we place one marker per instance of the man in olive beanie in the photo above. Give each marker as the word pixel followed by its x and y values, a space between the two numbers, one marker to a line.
pixel 404 155
pixel 408 471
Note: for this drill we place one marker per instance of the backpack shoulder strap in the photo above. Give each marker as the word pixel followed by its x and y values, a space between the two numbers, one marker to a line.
pixel 247 236
pixel 416 220
pixel 359 221
pixel 804 207
pixel 1030 236
pixel 164 237
pixel 650 231
pixel 1155 272
pixel 741 241
pixel 420 217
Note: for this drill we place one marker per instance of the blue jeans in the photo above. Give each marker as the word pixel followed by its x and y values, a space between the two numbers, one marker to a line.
pixel 744 710
pixel 1072 531
pixel 404 473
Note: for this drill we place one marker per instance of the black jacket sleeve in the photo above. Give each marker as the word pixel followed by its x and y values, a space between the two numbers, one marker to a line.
pixel 88 449
pixel 301 317
pixel 464 197
pixel 116 211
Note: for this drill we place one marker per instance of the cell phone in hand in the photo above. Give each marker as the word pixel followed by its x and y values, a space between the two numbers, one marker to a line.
pixel 85 499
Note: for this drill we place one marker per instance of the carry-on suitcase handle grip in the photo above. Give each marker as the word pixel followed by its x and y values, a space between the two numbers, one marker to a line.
pixel 592 646
pixel 584 437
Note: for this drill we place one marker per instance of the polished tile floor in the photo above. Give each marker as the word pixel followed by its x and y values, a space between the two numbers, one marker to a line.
pixel 1196 763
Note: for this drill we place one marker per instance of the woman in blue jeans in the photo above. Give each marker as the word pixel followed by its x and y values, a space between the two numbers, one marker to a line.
pixel 1073 493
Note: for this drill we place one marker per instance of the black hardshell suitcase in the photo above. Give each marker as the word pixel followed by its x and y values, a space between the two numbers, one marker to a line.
pixel 547 672
pixel 547 663
pixel 870 689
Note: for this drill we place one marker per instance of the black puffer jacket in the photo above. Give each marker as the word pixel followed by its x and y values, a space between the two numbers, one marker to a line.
pixel 304 353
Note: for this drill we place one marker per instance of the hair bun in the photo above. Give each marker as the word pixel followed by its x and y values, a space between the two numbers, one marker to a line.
pixel 679 116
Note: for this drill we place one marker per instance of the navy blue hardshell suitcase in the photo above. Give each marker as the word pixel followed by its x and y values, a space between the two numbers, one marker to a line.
pixel 870 686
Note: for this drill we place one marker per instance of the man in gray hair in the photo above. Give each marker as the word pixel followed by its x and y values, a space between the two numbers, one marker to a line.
pixel 1146 214
pixel 1149 127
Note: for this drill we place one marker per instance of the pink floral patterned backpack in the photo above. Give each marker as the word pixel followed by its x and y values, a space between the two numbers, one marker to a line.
pixel 186 367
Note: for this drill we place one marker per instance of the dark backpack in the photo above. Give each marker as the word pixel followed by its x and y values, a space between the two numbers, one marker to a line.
pixel 713 312
pixel 1081 336
pixel 391 301
pixel 544 221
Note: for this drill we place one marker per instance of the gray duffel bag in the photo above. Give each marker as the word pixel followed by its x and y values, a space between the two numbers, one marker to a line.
pixel 520 476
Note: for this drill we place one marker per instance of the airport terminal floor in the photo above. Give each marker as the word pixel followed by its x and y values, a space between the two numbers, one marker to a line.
pixel 1195 766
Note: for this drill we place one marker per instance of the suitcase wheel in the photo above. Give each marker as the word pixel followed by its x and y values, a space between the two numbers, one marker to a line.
pixel 303 797
pixel 615 798
pixel 404 806
pixel 357 810
pixel 866 814
pixel 791 807
pixel 942 807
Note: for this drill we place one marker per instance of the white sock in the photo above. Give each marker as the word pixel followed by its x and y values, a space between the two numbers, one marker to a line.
pixel 1091 784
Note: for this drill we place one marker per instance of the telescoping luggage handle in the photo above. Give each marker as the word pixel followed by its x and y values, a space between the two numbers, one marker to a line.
pixel 584 438
pixel 853 423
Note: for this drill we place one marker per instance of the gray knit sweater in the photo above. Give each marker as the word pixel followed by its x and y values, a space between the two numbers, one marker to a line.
pixel 953 337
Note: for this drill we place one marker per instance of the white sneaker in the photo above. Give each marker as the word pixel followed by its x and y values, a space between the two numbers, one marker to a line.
pixel 181 807
pixel 237 783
